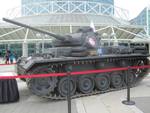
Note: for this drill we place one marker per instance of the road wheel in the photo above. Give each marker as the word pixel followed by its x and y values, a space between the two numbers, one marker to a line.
pixel 41 86
pixel 131 78
pixel 102 82
pixel 116 79
pixel 63 86
pixel 85 84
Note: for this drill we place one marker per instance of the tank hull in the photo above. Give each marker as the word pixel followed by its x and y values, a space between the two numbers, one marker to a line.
pixel 82 85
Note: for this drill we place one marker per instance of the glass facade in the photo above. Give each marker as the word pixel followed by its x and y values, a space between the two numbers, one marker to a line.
pixel 35 7
pixel 17 48
pixel 24 2
pixel 27 5
pixel 3 48
pixel 31 49
pixel 143 19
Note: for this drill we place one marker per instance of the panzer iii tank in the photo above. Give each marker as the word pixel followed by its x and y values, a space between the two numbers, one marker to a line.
pixel 83 51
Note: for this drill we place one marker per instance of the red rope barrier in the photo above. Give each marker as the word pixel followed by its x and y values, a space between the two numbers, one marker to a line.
pixel 75 73
pixel 7 64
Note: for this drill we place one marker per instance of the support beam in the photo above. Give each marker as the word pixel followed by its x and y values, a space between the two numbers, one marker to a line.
pixel 70 28
pixel 37 47
pixel 140 36
pixel 8 46
pixel 26 36
pixel 102 29
pixel 43 48
pixel 22 40
pixel 147 22
pixel 25 49
pixel 13 31
pixel 114 36
pixel 25 45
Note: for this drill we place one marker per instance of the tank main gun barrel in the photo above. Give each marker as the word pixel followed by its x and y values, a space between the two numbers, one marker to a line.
pixel 59 37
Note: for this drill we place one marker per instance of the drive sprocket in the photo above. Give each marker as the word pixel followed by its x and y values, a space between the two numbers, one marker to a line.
pixel 42 86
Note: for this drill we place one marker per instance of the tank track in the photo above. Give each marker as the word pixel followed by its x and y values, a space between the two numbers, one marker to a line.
pixel 78 95
pixel 56 96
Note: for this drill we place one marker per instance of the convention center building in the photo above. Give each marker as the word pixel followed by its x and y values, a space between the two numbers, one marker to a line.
pixel 63 17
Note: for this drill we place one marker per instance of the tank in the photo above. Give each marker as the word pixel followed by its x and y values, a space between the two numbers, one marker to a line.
pixel 83 51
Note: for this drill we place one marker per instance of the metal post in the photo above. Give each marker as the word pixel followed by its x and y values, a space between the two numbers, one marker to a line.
pixel 25 49
pixel 69 68
pixel 147 21
pixel 128 101
pixel 114 36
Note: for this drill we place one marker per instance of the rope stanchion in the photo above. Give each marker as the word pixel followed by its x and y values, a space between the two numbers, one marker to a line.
pixel 128 101
pixel 74 73
pixel 69 69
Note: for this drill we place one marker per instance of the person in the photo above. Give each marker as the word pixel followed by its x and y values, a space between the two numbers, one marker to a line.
pixel 15 56
pixel 100 51
pixel 7 57
pixel 11 57
pixel 0 53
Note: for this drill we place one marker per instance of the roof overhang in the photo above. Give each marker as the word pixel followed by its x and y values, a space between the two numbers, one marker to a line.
pixel 67 23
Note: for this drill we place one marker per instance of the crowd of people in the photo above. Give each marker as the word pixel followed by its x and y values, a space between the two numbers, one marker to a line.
pixel 9 57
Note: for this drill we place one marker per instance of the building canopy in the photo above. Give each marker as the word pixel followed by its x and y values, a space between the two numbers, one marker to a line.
pixel 108 27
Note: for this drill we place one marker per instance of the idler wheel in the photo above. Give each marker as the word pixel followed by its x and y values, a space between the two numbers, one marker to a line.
pixel 116 80
pixel 42 86
pixel 131 78
pixel 85 84
pixel 63 86
pixel 102 81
